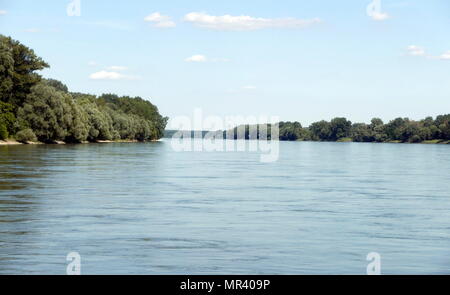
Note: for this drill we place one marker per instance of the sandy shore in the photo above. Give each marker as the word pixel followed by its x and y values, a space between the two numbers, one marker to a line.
pixel 9 142
pixel 14 142
pixel 114 141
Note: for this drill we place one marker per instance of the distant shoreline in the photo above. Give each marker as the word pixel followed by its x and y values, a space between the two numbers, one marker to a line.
pixel 196 134
pixel 14 142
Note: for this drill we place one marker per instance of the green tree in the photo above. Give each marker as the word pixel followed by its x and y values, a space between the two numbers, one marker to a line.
pixel 340 128
pixel 376 122
pixel 19 64
pixel 378 130
pixel 99 123
pixel 3 131
pixel 442 122
pixel 25 136
pixel 137 106
pixel 361 132
pixel 321 130
pixel 6 70
pixel 58 85
pixel 48 112
pixel 394 129
pixel 411 132
pixel 291 131
pixel 7 117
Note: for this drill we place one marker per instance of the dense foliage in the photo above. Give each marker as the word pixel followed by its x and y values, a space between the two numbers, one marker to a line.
pixel 340 129
pixel 35 108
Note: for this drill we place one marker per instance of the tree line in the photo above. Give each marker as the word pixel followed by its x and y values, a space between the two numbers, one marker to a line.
pixel 36 109
pixel 341 129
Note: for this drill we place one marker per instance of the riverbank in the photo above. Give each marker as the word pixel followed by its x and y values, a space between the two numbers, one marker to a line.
pixel 9 142
pixel 14 142
pixel 347 140
pixel 434 141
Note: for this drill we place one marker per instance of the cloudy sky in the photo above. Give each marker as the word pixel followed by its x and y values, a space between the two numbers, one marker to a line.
pixel 299 60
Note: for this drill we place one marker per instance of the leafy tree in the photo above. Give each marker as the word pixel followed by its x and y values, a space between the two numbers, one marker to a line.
pixel 58 85
pixel 361 132
pixel 427 122
pixel 291 131
pixel 7 117
pixel 415 139
pixel 394 128
pixel 48 112
pixel 378 130
pixel 340 128
pixel 6 70
pixel 19 64
pixel 3 131
pixel 376 122
pixel 410 132
pixel 137 106
pixel 99 124
pixel 321 130
pixel 443 123
pixel 26 135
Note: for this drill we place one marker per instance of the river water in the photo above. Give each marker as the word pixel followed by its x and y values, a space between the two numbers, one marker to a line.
pixel 144 208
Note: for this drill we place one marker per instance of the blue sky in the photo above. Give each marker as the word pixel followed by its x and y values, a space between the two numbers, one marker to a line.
pixel 299 60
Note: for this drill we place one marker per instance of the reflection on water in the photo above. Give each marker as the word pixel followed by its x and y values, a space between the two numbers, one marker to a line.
pixel 143 208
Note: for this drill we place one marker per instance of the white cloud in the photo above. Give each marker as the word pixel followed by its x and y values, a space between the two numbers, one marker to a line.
pixel 249 87
pixel 244 22
pixel 117 68
pixel 196 58
pixel 109 75
pixel 105 75
pixel 445 56
pixel 92 63
pixel 415 50
pixel 156 17
pixel 160 21
pixel 3 12
pixel 379 16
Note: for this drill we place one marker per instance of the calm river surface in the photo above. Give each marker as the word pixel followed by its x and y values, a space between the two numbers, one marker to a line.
pixel 133 208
